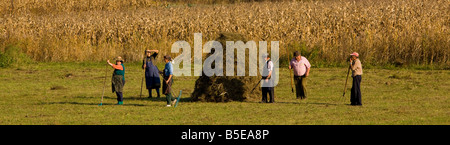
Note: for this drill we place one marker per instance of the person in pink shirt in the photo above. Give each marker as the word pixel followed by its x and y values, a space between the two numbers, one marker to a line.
pixel 301 67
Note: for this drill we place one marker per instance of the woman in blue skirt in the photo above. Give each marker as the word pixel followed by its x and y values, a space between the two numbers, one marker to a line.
pixel 152 80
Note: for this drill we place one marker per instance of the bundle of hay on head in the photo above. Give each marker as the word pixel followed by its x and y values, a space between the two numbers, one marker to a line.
pixel 227 88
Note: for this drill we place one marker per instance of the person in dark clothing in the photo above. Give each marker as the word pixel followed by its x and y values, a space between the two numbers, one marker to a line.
pixel 152 80
pixel 267 81
pixel 356 67
pixel 118 79
pixel 168 81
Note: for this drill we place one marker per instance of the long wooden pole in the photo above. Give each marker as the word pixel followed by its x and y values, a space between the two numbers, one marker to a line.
pixel 346 80
pixel 290 72
pixel 104 85
pixel 142 81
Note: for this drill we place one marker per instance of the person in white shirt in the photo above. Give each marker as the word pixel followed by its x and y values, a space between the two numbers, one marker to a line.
pixel 267 81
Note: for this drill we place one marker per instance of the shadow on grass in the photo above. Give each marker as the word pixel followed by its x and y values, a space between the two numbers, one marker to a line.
pixel 132 98
pixel 299 103
pixel 80 103
pixel 160 99
pixel 326 104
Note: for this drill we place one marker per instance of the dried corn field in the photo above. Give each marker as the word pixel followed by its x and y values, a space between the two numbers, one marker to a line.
pixel 409 31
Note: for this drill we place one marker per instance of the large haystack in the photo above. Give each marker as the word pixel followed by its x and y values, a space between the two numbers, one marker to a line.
pixel 227 88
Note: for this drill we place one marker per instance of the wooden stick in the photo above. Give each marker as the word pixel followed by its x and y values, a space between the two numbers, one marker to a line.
pixel 142 81
pixel 104 84
pixel 290 72
pixel 345 87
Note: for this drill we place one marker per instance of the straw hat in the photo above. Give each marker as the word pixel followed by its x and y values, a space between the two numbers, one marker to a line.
pixel 119 59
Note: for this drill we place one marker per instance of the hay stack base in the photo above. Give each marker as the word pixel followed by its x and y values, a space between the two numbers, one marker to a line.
pixel 226 88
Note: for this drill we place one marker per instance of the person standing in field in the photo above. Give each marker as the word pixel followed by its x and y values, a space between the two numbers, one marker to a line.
pixel 301 67
pixel 356 67
pixel 168 81
pixel 267 86
pixel 118 79
pixel 152 80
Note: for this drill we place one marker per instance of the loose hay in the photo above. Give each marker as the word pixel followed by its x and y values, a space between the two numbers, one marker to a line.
pixel 226 88
pixel 57 88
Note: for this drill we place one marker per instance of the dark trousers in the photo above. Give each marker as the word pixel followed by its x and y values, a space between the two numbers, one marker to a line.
pixel 300 86
pixel 169 98
pixel 355 97
pixel 269 90
pixel 150 92
pixel 167 90
pixel 120 94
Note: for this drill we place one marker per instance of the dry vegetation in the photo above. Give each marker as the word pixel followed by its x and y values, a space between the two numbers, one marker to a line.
pixel 399 31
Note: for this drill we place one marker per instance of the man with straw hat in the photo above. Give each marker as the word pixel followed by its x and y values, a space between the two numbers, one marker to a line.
pixel 356 67
pixel 118 79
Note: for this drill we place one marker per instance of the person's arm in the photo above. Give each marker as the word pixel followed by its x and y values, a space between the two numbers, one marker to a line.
pixel 170 69
pixel 357 65
pixel 308 67
pixel 307 71
pixel 268 76
pixel 154 54
pixel 170 77
pixel 290 64
pixel 143 64
pixel 270 70
pixel 353 67
pixel 153 51
pixel 119 67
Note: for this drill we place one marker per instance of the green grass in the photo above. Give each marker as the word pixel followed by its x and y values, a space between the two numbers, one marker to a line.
pixel 394 96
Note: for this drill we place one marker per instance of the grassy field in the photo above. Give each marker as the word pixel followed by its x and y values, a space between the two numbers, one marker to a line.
pixel 69 93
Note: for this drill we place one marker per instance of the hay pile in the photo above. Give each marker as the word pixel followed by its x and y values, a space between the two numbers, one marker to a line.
pixel 227 88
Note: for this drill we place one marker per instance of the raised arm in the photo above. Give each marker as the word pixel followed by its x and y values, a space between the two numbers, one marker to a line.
pixel 157 51
pixel 119 67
